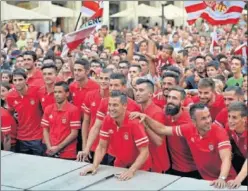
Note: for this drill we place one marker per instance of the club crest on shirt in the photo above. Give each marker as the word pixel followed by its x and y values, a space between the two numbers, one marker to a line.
pixel 73 94
pixel 111 131
pixel 192 139
pixel 32 102
pixel 245 147
pixel 93 104
pixel 16 102
pixel 63 120
pixel 126 136
pixel 211 147
pixel 43 99
pixel 50 116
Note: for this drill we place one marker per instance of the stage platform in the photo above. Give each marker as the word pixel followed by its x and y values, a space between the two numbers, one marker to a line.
pixel 28 172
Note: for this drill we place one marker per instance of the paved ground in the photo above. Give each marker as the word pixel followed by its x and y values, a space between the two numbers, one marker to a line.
pixel 19 172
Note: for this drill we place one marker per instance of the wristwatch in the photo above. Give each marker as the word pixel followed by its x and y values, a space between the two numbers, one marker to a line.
pixel 222 177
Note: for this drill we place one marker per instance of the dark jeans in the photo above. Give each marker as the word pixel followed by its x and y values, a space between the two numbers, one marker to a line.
pixel 192 174
pixel 107 159
pixel 238 162
pixel 35 147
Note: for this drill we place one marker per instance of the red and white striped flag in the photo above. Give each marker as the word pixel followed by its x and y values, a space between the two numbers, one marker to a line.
pixel 74 39
pixel 214 42
pixel 242 50
pixel 214 12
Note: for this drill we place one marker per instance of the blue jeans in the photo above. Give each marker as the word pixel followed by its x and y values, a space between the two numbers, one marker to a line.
pixel 35 147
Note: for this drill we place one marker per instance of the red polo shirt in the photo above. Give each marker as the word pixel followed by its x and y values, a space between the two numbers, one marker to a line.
pixel 160 62
pixel 36 79
pixel 181 156
pixel 60 123
pixel 216 107
pixel 103 108
pixel 159 154
pixel 29 113
pixel 205 150
pixel 240 141
pixel 45 98
pixel 125 140
pixel 90 107
pixel 79 93
pixel 8 125
pixel 162 102
pixel 222 118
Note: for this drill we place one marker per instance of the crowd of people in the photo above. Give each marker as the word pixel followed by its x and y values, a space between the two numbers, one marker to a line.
pixel 140 99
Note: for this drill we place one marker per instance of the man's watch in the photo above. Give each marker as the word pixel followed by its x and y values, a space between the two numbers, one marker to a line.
pixel 222 177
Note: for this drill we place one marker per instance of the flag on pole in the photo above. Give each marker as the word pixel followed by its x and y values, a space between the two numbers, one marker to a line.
pixel 74 39
pixel 242 50
pixel 89 8
pixel 214 42
pixel 214 12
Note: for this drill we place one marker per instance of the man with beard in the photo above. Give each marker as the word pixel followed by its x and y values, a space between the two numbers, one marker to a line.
pixel 127 139
pixel 61 122
pixel 208 96
pixel 34 76
pixel 237 130
pixel 169 79
pixel 231 94
pixel 159 155
pixel 181 158
pixel 209 144
pixel 200 67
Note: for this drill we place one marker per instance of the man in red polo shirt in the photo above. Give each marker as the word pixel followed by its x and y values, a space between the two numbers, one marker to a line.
pixel 231 94
pixel 208 96
pixel 117 82
pixel 61 122
pixel 82 84
pixel 169 79
pixel 181 158
pixel 8 130
pixel 209 144
pixel 34 77
pixel 157 146
pixel 25 101
pixel 90 107
pixel 237 130
pixel 127 138
pixel 46 94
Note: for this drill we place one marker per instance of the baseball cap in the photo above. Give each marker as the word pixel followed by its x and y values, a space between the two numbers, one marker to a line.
pixel 14 54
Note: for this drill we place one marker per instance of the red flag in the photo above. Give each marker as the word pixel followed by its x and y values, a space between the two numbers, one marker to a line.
pixel 89 8
pixel 74 39
pixel 214 12
pixel 242 50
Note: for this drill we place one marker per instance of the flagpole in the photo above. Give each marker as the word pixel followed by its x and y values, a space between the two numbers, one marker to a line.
pixel 230 32
pixel 78 21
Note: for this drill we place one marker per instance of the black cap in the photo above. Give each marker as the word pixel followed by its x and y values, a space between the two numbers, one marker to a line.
pixel 121 51
pixel 15 53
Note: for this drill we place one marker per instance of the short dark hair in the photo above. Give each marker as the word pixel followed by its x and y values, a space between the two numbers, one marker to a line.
pixel 200 56
pixel 209 55
pixel 20 72
pixel 30 53
pixel 9 73
pixel 167 47
pixel 6 85
pixel 238 90
pixel 119 76
pixel 142 58
pixel 171 75
pixel 242 61
pixel 174 69
pixel 20 55
pixel 63 84
pixel 121 95
pixel 105 27
pixel 59 58
pixel 125 62
pixel 148 82
pixel 85 63
pixel 214 64
pixel 206 83
pixel 239 106
pixel 107 70
pixel 220 56
pixel 96 61
pixel 137 66
pixel 194 107
pixel 184 52
pixel 180 90
pixel 50 65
